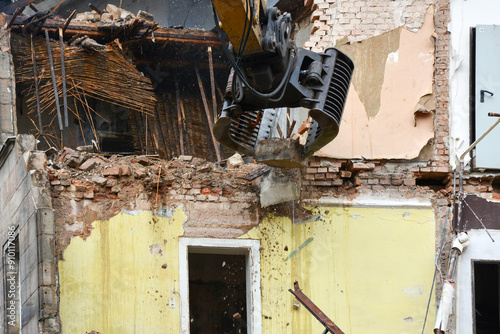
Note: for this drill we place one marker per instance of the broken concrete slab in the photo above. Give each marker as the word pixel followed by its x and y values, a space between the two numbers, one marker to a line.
pixel 278 186
pixel 282 153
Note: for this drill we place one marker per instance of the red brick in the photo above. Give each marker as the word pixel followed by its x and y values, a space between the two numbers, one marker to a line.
pixel 338 182
pixel 410 182
pixel 357 166
pixel 112 171
pixel 79 185
pixel 126 171
pixel 311 170
pixel 331 176
pixel 140 173
pixel 319 176
pixel 322 170
pixel 88 195
pixel 314 163
pixel 396 182
pixel 322 183
pixel 88 165
pixel 205 191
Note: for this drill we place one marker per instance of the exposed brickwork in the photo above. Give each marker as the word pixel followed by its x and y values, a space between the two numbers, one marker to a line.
pixel 358 20
pixel 441 87
pixel 349 179
pixel 142 183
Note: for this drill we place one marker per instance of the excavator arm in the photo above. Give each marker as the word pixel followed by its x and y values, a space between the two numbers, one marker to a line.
pixel 269 72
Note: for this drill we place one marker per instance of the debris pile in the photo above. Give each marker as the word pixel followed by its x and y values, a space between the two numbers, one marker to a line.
pixel 87 186
pixel 118 15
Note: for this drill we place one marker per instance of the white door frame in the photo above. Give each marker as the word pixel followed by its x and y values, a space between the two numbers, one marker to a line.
pixel 247 247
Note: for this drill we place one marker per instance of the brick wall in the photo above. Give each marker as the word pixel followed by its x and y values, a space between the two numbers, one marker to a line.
pixel 358 20
pixel 87 187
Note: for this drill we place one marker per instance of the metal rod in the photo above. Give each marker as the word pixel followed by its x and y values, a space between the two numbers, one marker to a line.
pixel 63 69
pixel 212 82
pixel 179 117
pixel 479 139
pixel 462 167
pixel 18 12
pixel 315 311
pixel 68 20
pixel 54 84
pixel 95 8
pixel 207 111
pixel 37 93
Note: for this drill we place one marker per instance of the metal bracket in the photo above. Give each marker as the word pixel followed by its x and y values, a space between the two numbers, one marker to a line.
pixel 482 94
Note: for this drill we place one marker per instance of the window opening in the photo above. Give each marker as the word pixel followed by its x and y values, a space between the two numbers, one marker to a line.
pixel 486 297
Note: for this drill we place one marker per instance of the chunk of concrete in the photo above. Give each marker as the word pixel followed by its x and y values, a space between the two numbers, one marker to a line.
pixel 279 152
pixel 278 186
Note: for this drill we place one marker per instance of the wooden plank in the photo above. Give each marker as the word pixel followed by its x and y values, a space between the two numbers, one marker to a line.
pixel 207 112
pixel 179 117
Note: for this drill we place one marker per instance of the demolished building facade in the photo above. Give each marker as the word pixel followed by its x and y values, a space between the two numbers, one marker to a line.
pixel 151 227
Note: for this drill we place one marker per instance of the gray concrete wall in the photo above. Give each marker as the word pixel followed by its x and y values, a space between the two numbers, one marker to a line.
pixel 7 89
pixel 25 206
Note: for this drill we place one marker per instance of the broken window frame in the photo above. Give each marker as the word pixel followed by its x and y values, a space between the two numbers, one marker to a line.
pixel 249 248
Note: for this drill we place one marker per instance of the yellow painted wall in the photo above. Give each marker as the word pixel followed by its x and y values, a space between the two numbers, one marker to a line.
pixel 368 269
pixel 112 283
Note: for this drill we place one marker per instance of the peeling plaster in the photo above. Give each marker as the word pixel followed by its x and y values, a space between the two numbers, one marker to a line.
pixel 413 290
pixel 368 78
pixel 156 249
pixel 379 120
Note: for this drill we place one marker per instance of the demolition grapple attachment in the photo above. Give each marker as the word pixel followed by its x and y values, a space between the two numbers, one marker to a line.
pixel 316 81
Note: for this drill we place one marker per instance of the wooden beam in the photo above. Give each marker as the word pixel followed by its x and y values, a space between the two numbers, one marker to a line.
pixel 207 112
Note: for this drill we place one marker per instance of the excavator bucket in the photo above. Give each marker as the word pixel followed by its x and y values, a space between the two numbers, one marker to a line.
pixel 248 121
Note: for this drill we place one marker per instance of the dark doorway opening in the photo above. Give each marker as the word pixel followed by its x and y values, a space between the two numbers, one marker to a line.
pixel 486 297
pixel 217 293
